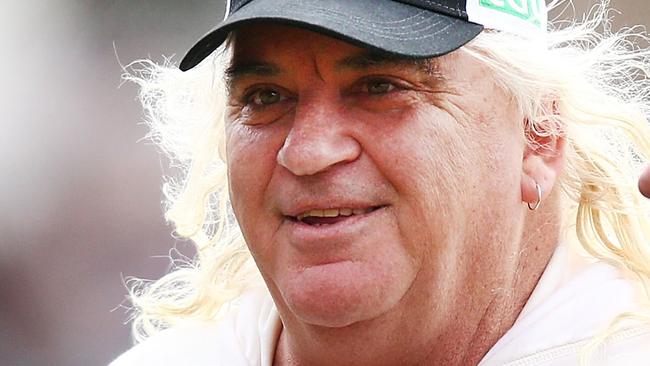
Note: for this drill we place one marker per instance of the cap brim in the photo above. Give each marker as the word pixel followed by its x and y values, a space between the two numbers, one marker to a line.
pixel 387 26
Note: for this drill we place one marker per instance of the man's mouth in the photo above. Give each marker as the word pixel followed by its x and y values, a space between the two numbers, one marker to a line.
pixel 331 216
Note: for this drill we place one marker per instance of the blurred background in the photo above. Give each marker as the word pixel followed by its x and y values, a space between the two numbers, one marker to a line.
pixel 80 200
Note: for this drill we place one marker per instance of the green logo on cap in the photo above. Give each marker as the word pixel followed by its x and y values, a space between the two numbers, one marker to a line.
pixel 528 10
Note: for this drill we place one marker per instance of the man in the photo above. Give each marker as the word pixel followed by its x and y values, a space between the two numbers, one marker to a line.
pixel 404 175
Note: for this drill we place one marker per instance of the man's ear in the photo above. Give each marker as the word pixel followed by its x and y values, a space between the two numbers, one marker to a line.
pixel 542 164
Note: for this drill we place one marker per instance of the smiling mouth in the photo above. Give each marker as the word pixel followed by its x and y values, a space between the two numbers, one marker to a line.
pixel 331 216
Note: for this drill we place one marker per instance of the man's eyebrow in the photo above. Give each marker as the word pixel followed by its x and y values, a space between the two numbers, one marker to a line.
pixel 369 59
pixel 238 70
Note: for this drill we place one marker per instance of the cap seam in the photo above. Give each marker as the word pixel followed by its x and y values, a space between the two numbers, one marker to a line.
pixel 384 32
pixel 460 12
pixel 395 36
pixel 420 13
pixel 344 18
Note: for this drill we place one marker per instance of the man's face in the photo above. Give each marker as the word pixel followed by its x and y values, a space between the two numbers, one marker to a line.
pixel 415 166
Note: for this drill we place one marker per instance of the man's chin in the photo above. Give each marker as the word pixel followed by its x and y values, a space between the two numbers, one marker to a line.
pixel 338 294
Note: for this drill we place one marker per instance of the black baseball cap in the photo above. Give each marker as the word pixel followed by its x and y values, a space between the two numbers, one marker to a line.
pixel 407 28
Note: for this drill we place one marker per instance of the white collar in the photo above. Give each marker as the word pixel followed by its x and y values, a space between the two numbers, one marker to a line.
pixel 575 299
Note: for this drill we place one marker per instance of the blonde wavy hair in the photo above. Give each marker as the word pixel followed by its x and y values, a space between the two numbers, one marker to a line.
pixel 596 78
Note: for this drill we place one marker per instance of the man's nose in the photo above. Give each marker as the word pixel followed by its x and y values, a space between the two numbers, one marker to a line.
pixel 319 139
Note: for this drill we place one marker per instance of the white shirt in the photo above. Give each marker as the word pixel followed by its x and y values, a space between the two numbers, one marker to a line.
pixel 574 300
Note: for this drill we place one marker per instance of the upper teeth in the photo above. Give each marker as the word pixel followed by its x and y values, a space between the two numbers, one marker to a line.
pixel 334 212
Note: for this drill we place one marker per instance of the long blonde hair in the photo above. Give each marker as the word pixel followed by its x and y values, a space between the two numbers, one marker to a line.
pixel 596 79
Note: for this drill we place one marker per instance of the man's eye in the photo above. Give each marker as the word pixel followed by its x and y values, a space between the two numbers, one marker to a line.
pixel 380 87
pixel 265 97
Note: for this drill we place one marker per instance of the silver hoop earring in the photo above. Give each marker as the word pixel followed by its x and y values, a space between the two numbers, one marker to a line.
pixel 539 198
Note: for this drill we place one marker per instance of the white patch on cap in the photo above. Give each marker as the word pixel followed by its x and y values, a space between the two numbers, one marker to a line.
pixel 527 18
